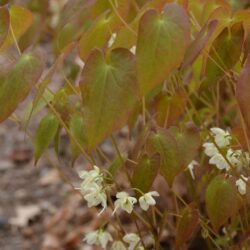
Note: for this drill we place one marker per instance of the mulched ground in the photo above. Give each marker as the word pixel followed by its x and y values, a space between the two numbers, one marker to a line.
pixel 38 210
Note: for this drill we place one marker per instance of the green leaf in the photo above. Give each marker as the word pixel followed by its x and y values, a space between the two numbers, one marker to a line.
pixel 225 51
pixel 243 93
pixel 16 83
pixel 20 20
pixel 77 129
pixel 187 224
pixel 45 133
pixel 4 24
pixel 177 148
pixel 116 164
pixel 161 45
pixel 109 92
pixel 222 201
pixel 96 36
pixel 145 173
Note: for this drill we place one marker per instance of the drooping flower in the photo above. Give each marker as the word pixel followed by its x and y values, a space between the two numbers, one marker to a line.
pixel 219 161
pixel 118 245
pixel 98 238
pixel 96 196
pixel 147 200
pixel 241 185
pixel 235 157
pixel 132 239
pixel 89 177
pixel 222 138
pixel 191 166
pixel 210 149
pixel 125 202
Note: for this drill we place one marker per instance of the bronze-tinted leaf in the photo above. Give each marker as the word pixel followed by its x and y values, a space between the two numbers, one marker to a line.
pixel 187 224
pixel 96 36
pixel 225 51
pixel 177 148
pixel 109 93
pixel 243 93
pixel 222 201
pixel 17 81
pixel 198 44
pixel 4 24
pixel 20 20
pixel 161 45
pixel 170 108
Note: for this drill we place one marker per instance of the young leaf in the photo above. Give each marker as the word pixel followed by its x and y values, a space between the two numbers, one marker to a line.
pixel 96 37
pixel 243 93
pixel 145 173
pixel 194 49
pixel 222 201
pixel 17 81
pixel 170 108
pixel 161 45
pixel 187 224
pixel 4 24
pixel 176 148
pixel 109 93
pixel 45 133
pixel 20 20
pixel 226 51
pixel 77 130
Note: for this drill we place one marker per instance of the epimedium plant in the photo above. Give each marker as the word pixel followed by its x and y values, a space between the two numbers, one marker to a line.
pixel 176 74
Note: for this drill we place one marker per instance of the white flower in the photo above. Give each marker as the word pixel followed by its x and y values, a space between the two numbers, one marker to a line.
pixel 147 200
pixel 132 239
pixel 133 49
pixel 96 196
pixel 191 167
pixel 118 245
pixel 241 185
pixel 111 40
pixel 125 202
pixel 98 237
pixel 235 157
pixel 210 149
pixel 222 138
pixel 219 161
pixel 90 177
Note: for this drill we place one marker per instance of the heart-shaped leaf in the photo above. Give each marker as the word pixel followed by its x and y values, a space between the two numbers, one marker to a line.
pixel 45 133
pixel 177 148
pixel 161 45
pixel 17 81
pixel 222 201
pixel 20 20
pixel 109 92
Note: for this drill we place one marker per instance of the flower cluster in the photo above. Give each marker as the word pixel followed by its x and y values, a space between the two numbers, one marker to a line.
pixel 218 148
pixel 94 189
pixel 102 238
